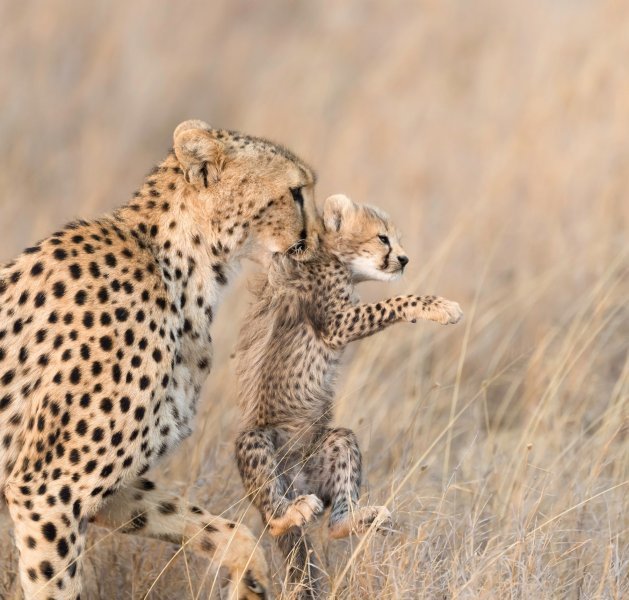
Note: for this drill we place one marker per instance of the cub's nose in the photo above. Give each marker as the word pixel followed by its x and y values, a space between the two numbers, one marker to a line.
pixel 403 260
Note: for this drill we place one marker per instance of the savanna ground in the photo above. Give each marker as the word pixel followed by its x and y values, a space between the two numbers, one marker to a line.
pixel 497 135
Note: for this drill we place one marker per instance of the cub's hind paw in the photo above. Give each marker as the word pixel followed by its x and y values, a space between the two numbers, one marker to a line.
pixel 360 520
pixel 299 512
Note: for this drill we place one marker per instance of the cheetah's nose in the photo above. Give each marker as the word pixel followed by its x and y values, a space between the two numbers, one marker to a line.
pixel 403 260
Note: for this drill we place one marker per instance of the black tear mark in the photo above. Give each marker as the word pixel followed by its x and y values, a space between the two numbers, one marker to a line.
pixel 385 263
pixel 204 172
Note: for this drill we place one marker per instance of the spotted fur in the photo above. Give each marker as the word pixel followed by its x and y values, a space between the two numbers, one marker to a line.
pixel 291 460
pixel 105 343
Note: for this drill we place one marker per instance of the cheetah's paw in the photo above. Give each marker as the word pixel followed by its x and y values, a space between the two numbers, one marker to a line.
pixel 244 572
pixel 360 520
pixel 446 312
pixel 299 512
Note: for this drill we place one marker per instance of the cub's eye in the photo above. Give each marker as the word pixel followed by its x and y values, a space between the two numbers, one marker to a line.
pixel 384 239
pixel 297 196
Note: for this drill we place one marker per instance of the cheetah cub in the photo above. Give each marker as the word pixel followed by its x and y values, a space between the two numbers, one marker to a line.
pixel 292 462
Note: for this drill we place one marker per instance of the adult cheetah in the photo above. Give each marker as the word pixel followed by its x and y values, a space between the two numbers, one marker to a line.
pixel 105 343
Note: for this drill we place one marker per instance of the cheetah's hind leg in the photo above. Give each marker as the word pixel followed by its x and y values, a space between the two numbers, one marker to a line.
pixel 360 519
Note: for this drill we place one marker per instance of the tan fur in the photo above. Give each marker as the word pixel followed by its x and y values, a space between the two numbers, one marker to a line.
pixel 303 315
pixel 360 519
pixel 301 510
pixel 105 343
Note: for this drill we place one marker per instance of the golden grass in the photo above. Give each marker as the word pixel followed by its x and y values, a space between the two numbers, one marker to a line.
pixel 496 135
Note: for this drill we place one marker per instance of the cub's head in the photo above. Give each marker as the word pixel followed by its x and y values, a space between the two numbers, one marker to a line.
pixel 256 191
pixel 364 238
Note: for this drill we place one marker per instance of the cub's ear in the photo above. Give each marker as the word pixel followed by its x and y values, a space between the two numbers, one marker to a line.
pixel 201 156
pixel 336 210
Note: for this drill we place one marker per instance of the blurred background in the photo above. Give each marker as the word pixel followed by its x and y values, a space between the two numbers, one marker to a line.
pixel 496 135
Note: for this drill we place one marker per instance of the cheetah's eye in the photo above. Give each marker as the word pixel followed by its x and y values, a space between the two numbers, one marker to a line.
pixel 297 196
pixel 384 239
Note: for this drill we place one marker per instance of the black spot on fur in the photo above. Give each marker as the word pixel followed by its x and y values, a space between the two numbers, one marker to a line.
pixel 59 289
pixel 138 521
pixel 106 405
pixel 167 508
pixel 75 271
pixel 65 495
pixel 106 343
pixel 45 568
pixel 50 531
pixel 125 404
pixel 62 548
pixel 122 314
pixel 5 401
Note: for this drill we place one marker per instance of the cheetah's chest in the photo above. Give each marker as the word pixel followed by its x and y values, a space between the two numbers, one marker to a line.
pixel 183 393
pixel 175 409
pixel 194 299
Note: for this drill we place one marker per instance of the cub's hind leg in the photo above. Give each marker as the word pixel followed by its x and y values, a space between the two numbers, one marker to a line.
pixel 260 465
pixel 142 509
pixel 335 471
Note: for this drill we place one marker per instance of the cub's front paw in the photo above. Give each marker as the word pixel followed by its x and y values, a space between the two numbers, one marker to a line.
pixel 434 308
pixel 299 512
pixel 451 312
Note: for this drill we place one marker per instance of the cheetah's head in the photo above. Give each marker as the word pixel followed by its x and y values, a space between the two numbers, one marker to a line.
pixel 259 192
pixel 364 238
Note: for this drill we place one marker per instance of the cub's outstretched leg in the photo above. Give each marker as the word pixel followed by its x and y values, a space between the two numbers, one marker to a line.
pixel 144 510
pixel 335 472
pixel 259 463
pixel 363 320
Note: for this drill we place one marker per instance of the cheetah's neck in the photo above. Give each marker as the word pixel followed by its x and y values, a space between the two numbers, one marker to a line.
pixel 195 247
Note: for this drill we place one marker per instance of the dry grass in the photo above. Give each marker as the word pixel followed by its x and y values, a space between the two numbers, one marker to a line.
pixel 496 134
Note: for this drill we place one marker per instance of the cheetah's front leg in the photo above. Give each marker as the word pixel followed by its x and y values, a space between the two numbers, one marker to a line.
pixel 50 531
pixel 144 510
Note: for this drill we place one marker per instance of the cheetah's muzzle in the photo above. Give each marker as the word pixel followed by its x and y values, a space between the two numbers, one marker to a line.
pixel 300 246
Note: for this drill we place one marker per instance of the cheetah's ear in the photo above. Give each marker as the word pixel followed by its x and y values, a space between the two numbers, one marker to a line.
pixel 336 210
pixel 201 155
